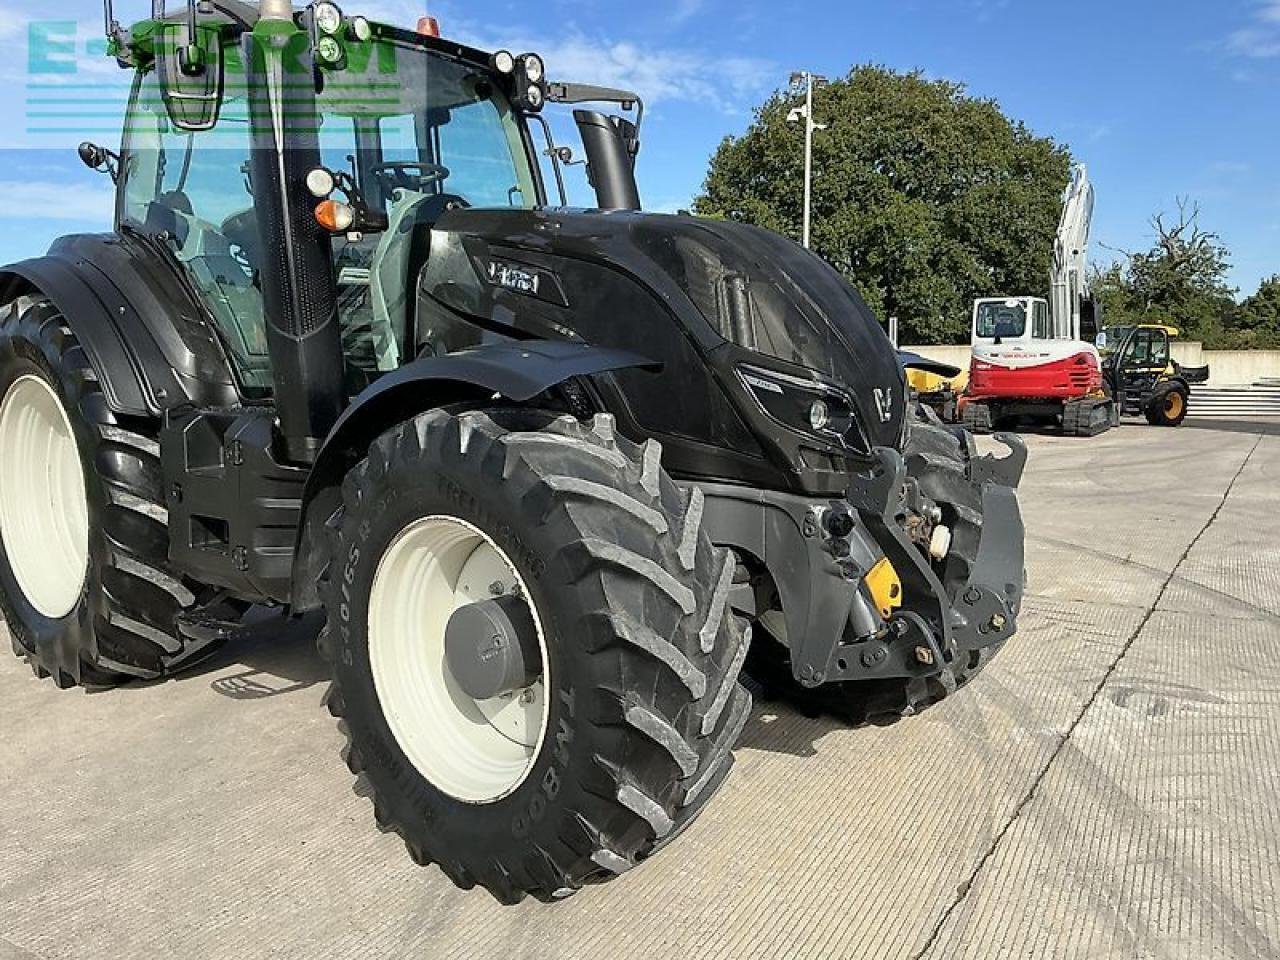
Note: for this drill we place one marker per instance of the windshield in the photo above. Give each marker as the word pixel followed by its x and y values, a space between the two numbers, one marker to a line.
pixel 1003 318
pixel 400 105
pixel 1111 339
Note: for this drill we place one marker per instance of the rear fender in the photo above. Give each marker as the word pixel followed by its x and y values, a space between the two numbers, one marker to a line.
pixel 149 344
pixel 516 372
pixel 124 387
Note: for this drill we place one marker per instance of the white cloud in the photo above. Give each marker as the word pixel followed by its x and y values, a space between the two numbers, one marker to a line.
pixel 657 73
pixel 660 74
pixel 686 10
pixel 1261 38
pixel 41 200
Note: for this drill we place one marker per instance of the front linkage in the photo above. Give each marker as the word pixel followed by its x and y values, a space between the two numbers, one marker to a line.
pixel 939 631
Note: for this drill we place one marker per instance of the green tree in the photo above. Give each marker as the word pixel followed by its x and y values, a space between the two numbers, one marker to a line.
pixel 1181 280
pixel 1259 315
pixel 924 197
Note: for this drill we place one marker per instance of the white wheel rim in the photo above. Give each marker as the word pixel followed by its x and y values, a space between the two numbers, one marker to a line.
pixel 44 515
pixel 474 751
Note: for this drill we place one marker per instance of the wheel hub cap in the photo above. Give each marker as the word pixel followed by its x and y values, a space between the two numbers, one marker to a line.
pixel 44 516
pixel 474 747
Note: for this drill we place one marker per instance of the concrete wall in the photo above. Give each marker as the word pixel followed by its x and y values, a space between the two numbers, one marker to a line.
pixel 1227 368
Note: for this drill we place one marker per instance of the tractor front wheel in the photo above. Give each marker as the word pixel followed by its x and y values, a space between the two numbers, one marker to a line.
pixel 532 650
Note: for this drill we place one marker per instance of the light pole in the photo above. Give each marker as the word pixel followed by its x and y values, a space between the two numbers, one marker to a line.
pixel 809 81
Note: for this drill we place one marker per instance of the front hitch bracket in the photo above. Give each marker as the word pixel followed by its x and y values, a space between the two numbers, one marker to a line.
pixel 932 630
pixel 922 627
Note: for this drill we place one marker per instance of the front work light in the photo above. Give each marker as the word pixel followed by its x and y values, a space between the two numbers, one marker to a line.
pixel 504 62
pixel 361 29
pixel 328 18
pixel 534 68
pixel 321 183
pixel 329 50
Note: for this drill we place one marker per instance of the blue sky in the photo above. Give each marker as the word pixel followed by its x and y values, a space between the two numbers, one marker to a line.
pixel 1162 99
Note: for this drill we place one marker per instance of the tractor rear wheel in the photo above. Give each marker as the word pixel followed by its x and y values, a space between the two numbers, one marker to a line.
pixel 85 582
pixel 1168 405
pixel 533 656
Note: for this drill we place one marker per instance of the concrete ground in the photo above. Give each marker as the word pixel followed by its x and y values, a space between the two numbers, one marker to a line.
pixel 1107 789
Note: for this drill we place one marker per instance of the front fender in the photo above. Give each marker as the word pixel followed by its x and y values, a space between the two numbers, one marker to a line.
pixel 517 372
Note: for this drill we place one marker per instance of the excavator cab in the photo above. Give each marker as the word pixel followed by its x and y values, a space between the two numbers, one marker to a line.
pixel 1012 320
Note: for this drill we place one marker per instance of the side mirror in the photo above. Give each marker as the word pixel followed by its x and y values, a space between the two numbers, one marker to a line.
pixel 191 71
pixel 99 159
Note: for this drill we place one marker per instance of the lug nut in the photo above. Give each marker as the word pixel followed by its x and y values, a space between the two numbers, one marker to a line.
pixel 998 621
pixel 925 656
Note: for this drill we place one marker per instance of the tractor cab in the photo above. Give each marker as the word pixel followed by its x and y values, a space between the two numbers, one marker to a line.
pixel 405 131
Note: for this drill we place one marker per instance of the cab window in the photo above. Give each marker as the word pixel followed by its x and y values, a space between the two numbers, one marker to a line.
pixel 191 191
pixel 1148 348
pixel 1040 329
pixel 1005 319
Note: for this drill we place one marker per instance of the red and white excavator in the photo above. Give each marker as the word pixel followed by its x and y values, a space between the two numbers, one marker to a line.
pixel 1033 359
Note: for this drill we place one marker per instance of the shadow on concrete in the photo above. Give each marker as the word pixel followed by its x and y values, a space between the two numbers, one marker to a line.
pixel 277 655
pixel 1264 428
pixel 777 726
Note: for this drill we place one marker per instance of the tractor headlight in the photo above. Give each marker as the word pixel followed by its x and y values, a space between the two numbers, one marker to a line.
pixel 534 68
pixel 819 416
pixel 504 62
pixel 534 98
pixel 328 18
pixel 807 406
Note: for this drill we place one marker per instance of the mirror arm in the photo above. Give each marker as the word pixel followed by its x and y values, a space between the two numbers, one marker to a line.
pixel 574 93
pixel 100 159
pixel 554 153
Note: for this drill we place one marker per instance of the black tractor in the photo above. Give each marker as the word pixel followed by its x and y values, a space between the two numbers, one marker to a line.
pixel 551 476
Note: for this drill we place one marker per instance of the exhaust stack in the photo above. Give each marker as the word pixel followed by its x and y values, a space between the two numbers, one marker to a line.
pixel 276 10
pixel 610 161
